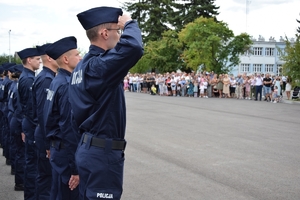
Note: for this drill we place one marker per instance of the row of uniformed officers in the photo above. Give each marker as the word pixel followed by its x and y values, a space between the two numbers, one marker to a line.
pixel 35 121
pixel 72 105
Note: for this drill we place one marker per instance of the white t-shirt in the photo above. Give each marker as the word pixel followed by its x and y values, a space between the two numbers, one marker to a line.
pixel 258 81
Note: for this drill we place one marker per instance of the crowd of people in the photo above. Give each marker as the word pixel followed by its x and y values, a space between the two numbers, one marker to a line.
pixel 210 85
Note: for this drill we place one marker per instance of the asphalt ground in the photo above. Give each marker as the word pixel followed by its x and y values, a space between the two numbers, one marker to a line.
pixel 205 149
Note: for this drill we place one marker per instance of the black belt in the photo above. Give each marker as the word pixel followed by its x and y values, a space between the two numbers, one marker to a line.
pixel 99 142
pixel 54 144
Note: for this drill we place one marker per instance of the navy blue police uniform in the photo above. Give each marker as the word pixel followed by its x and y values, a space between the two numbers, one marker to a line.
pixel 39 93
pixel 6 83
pixel 28 125
pixel 15 131
pixel 62 136
pixel 10 140
pixel 98 103
pixel 1 105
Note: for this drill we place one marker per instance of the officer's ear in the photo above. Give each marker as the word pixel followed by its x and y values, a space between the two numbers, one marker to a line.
pixel 104 33
pixel 49 58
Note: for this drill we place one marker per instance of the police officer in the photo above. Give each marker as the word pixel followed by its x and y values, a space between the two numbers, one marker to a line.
pixel 6 83
pixel 98 102
pixel 17 144
pixel 63 137
pixel 1 105
pixel 39 92
pixel 31 61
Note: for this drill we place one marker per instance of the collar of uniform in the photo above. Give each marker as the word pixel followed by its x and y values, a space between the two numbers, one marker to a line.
pixel 28 71
pixel 63 71
pixel 94 50
pixel 49 70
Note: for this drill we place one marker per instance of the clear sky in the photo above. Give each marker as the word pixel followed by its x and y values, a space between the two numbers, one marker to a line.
pixel 36 22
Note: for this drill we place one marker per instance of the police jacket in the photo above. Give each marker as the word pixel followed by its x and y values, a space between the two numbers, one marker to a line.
pixel 57 116
pixel 25 93
pixel 12 101
pixel 96 92
pixel 5 85
pixel 40 88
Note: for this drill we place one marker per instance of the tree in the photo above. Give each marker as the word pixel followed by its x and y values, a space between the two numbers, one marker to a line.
pixel 156 16
pixel 162 55
pixel 191 10
pixel 298 29
pixel 212 45
pixel 291 67
pixel 151 16
pixel 5 59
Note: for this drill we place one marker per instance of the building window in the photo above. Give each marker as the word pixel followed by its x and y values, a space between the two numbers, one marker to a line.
pixel 245 67
pixel 281 52
pixel 279 70
pixel 269 68
pixel 257 51
pixel 247 53
pixel 269 52
pixel 257 67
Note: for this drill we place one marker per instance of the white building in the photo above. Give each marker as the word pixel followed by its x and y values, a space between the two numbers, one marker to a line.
pixel 263 57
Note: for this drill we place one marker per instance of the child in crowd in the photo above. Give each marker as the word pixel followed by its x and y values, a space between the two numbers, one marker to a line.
pixel 153 90
pixel 275 96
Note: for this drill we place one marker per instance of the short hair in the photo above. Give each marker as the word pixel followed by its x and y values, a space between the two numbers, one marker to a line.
pixel 92 33
pixel 24 61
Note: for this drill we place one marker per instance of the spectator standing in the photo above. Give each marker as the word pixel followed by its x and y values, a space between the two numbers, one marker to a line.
pixel 267 81
pixel 232 86
pixel 258 87
pixel 288 88
pixel 220 85
pixel 226 84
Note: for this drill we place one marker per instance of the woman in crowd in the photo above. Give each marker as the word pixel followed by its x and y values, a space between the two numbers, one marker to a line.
pixel 277 82
pixel 220 85
pixel 288 88
pixel 232 86
pixel 226 84
pixel 145 84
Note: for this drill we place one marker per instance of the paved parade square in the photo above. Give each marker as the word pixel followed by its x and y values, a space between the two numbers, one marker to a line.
pixel 194 148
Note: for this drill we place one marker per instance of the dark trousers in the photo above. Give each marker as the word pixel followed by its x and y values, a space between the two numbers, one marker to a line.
pixel 44 173
pixel 30 170
pixel 19 150
pixel 100 171
pixel 61 173
pixel 258 90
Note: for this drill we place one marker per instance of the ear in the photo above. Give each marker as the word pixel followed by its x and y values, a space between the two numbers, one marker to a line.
pixel 104 33
pixel 49 58
pixel 65 59
pixel 28 60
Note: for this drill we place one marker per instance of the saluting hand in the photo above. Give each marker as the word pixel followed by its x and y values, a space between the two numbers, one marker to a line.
pixel 122 20
pixel 73 182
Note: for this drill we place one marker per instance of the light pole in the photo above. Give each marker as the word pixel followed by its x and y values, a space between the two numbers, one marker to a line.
pixel 9 46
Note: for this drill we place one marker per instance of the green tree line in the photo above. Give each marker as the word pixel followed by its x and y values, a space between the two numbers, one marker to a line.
pixel 185 36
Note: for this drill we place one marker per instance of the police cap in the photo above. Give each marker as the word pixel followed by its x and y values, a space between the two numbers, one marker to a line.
pixel 29 52
pixel 99 15
pixel 42 49
pixel 6 66
pixel 18 68
pixel 61 46
pixel 1 69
